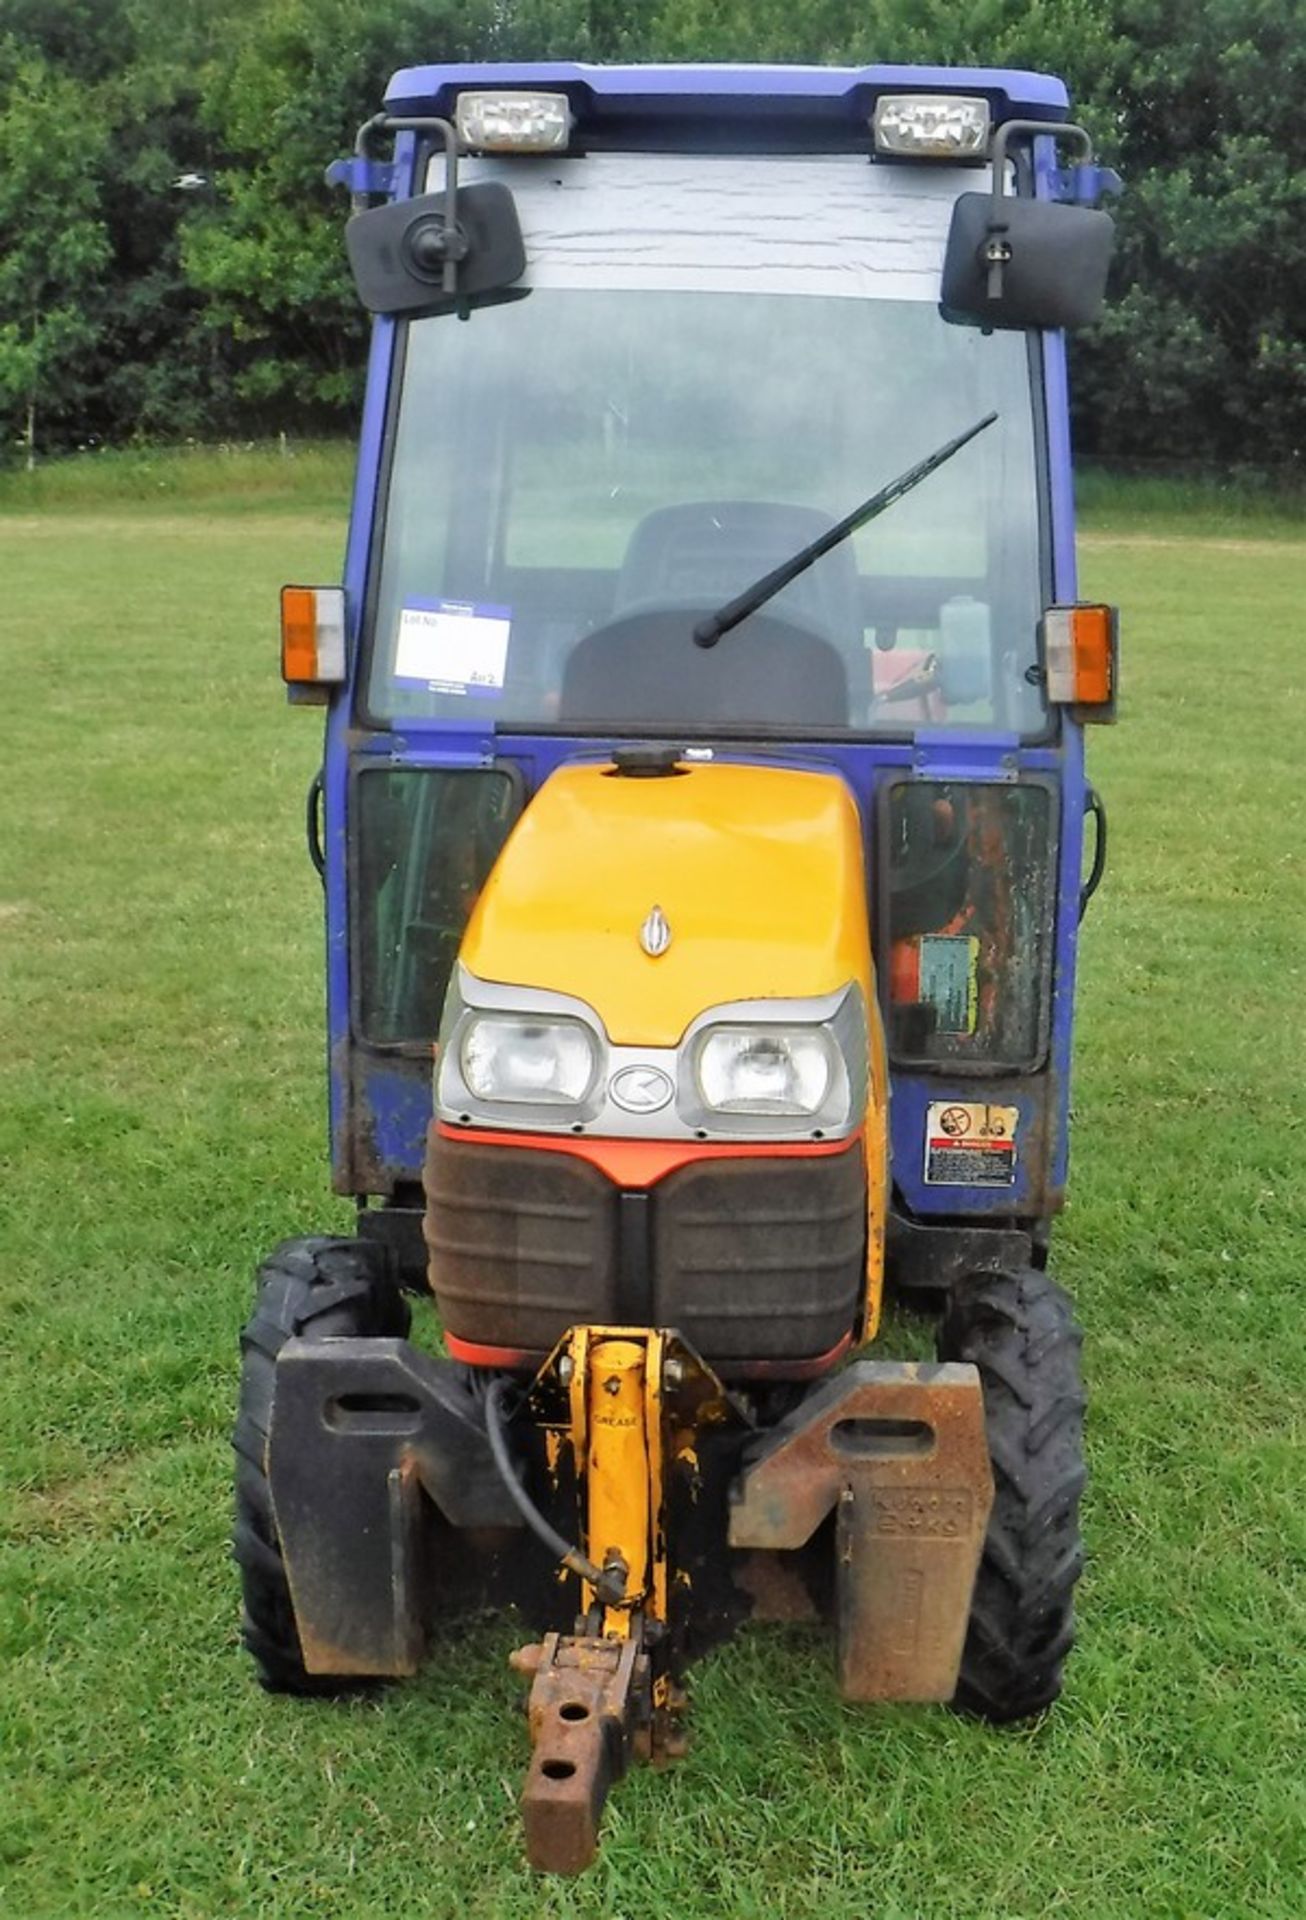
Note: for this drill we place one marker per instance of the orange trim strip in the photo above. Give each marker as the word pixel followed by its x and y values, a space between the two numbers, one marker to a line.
pixel 520 1359
pixel 508 1359
pixel 642 1163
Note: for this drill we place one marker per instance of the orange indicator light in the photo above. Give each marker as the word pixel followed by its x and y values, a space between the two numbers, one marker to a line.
pixel 312 636
pixel 1080 656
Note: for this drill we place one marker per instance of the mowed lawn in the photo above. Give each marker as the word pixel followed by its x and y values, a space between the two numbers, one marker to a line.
pixel 162 1124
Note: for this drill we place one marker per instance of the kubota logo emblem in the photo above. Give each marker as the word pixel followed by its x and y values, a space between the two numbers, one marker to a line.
pixel 641 1089
pixel 655 934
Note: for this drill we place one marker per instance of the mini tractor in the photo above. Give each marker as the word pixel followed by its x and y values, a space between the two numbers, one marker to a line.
pixel 702 822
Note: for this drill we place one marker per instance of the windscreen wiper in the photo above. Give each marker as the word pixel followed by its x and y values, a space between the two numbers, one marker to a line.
pixel 710 630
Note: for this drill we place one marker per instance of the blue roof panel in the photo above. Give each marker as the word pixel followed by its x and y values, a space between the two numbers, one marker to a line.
pixel 625 90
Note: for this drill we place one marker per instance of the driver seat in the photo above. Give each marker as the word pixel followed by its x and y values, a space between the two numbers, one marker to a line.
pixel 786 665
pixel 707 551
pixel 644 668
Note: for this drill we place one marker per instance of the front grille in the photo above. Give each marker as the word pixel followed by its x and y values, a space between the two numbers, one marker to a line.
pixel 761 1259
pixel 522 1244
pixel 756 1258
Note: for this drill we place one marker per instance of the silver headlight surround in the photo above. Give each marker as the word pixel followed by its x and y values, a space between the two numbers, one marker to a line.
pixel 840 1017
pixel 471 1005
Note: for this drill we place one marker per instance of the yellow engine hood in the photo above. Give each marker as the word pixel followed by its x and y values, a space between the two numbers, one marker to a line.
pixel 759 872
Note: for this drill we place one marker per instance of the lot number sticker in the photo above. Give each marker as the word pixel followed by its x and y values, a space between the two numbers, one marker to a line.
pixel 452 646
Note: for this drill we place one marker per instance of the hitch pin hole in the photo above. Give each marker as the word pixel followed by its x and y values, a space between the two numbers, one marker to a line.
pixel 874 1439
pixel 374 1413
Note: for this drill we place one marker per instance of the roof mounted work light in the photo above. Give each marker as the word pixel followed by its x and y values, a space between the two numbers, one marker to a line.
pixel 931 126
pixel 513 122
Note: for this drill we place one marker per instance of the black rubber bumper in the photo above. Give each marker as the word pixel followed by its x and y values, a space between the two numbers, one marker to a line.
pixel 756 1258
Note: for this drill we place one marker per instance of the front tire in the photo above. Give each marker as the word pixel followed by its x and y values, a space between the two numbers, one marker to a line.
pixel 1019 1330
pixel 322 1289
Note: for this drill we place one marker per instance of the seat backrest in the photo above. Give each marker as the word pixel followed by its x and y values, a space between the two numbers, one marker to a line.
pixel 710 550
pixel 644 668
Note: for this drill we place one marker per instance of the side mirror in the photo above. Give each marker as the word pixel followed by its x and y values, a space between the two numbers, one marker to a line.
pixel 402 254
pixel 1026 263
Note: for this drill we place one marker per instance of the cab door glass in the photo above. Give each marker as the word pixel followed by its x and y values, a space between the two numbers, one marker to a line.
pixel 427 838
pixel 970 922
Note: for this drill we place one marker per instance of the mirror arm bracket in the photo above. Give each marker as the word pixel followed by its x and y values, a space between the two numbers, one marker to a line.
pixel 996 250
pixel 1085 185
pixel 375 129
pixel 366 180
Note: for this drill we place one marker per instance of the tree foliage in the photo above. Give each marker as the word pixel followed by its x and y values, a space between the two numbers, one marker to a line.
pixel 53 243
pixel 170 259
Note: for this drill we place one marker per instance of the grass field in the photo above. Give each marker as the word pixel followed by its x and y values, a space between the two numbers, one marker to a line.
pixel 161 1124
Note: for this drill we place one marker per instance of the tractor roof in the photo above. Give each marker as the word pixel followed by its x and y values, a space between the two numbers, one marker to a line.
pixel 838 96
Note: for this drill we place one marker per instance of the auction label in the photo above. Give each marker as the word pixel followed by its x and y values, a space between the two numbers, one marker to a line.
pixel 969 1144
pixel 453 646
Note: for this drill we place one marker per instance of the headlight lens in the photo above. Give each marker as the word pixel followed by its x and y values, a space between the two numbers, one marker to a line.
pixel 765 1069
pixel 524 1060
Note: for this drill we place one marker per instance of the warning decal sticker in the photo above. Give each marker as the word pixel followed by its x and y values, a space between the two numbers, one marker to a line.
pixel 970 1144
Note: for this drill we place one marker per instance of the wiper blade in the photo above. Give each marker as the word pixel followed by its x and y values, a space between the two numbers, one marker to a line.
pixel 710 630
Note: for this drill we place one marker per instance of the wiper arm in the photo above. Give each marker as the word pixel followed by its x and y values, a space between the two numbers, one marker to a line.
pixel 709 631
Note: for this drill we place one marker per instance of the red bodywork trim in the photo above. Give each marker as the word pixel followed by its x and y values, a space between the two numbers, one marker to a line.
pixel 506 1359
pixel 642 1163
pixel 521 1360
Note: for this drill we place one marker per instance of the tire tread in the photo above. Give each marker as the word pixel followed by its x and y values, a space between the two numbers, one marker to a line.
pixel 321 1287
pixel 1018 1329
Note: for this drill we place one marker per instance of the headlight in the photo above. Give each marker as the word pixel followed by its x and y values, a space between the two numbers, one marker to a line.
pixel 932 126
pixel 513 122
pixel 765 1069
pixel 524 1060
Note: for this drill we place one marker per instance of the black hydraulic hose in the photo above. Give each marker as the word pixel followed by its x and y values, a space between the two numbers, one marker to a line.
pixel 610 1587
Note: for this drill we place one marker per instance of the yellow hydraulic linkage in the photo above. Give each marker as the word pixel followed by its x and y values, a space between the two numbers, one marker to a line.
pixel 628 1418
pixel 600 1696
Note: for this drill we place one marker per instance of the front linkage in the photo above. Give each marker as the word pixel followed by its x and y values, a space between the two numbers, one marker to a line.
pixel 390 1489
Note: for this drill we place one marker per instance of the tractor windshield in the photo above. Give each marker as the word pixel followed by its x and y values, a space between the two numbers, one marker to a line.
pixel 582 473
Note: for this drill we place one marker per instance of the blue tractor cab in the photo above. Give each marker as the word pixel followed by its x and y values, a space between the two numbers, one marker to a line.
pixel 709 610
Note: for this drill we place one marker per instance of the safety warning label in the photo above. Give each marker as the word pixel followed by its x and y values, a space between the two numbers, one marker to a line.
pixel 970 1144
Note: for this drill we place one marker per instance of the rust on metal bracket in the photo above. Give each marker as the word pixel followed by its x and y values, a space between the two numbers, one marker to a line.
pixel 589 1703
pixel 900 1449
